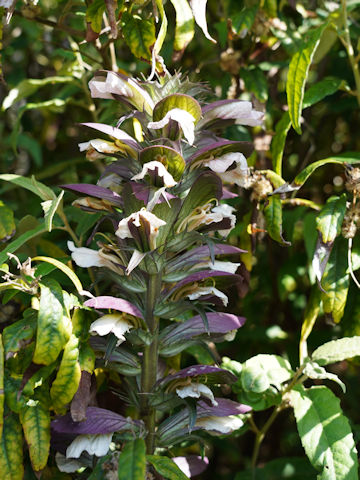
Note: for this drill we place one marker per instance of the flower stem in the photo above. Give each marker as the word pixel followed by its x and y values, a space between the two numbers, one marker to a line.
pixel 150 362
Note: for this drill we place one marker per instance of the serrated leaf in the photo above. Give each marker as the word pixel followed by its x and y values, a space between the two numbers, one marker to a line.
pixel 166 467
pixel 132 462
pixel 53 330
pixel 297 76
pixel 185 27
pixel 337 350
pixel 139 34
pixel 41 190
pixel 315 372
pixel 35 420
pixel 11 449
pixel 335 281
pixel 7 223
pixel 64 268
pixel 325 433
pixel 50 207
pixel 16 244
pixel 68 376
pixel 329 220
pixel 273 217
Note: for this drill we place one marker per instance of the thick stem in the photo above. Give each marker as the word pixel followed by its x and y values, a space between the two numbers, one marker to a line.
pixel 150 362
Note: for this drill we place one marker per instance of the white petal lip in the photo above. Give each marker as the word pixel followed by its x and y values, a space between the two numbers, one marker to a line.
pixel 114 323
pixel 99 145
pixel 162 172
pixel 199 11
pixel 241 111
pixel 221 164
pixel 85 257
pixel 184 119
pixel 225 211
pixel 229 267
pixel 154 221
pixel 6 3
pixel 220 424
pixel 93 444
pixel 196 390
pixel 100 88
pixel 201 291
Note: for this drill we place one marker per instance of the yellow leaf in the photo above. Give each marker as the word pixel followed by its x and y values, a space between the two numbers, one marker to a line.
pixel 11 449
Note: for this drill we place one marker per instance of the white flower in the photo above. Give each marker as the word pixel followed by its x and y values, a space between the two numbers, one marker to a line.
pixel 220 424
pixel 6 3
pixel 93 444
pixel 201 291
pixel 183 118
pixel 114 323
pixel 161 172
pixel 154 222
pixel 102 146
pixel 225 211
pixel 85 257
pixel 196 390
pixel 229 267
pixel 221 164
pixel 67 465
pixel 241 111
pixel 104 88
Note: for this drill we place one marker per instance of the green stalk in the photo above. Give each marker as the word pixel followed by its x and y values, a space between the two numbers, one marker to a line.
pixel 150 362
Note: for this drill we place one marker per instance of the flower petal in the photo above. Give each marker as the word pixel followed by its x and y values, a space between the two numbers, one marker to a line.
pixel 160 170
pixel 183 118
pixel 85 257
pixel 196 390
pixel 220 424
pixel 93 444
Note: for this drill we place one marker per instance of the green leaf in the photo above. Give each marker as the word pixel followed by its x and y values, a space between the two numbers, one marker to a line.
pixel 255 82
pixel 139 34
pixel 7 223
pixel 330 218
pixel 50 207
pixel 19 333
pixel 263 370
pixel 335 281
pixel 270 8
pixel 166 467
pixel 2 393
pixel 29 86
pixel 185 27
pixel 53 326
pixel 35 420
pixel 243 20
pixel 163 28
pixel 11 449
pixel 320 90
pixel 337 350
pixel 325 433
pixel 64 268
pixel 94 14
pixel 25 237
pixel 41 190
pixel 297 76
pixel 315 372
pixel 67 379
pixel 273 217
pixel 132 462
pixel 311 313
pixel 32 146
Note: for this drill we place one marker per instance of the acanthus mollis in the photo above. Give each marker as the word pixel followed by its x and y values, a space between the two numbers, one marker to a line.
pixel 163 192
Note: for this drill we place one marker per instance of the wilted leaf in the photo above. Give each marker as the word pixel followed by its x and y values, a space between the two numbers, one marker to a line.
pixel 139 34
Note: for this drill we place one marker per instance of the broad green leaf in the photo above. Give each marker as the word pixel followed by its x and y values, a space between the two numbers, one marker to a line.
pixel 94 14
pixel 185 27
pixel 37 380
pixel 29 86
pixel 255 82
pixel 7 223
pixel 17 243
pixel 11 449
pixel 311 313
pixel 53 327
pixel 132 462
pixel 64 268
pixel 139 34
pixel 335 281
pixel 315 372
pixel 352 158
pixel 50 207
pixel 2 393
pixel 243 20
pixel 67 379
pixel 330 218
pixel 18 334
pixel 325 433
pixel 177 100
pixel 41 190
pixel 35 420
pixel 166 467
pixel 297 76
pixel 337 350
pixel 273 217
pixel 263 370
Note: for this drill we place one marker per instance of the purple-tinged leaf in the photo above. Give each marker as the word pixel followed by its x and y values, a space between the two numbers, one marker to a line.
pixel 98 421
pixel 191 465
pixel 142 192
pixel 95 191
pixel 114 303
pixel 219 322
pixel 202 275
pixel 224 408
pixel 198 254
pixel 113 132
pixel 221 147
pixel 213 374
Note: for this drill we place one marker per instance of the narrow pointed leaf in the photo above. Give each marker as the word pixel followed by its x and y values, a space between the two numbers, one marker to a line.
pixel 16 244
pixel 95 191
pixel 273 217
pixel 166 467
pixel 41 190
pixel 67 379
pixel 163 27
pixel 50 207
pixel 337 350
pixel 311 313
pixel 184 30
pixel 65 269
pixel 325 433
pixel 297 76
pixel 11 449
pixel 132 462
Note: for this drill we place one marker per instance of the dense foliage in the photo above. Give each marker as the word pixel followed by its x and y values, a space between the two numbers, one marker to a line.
pixel 225 131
